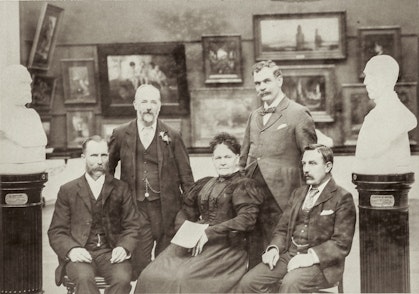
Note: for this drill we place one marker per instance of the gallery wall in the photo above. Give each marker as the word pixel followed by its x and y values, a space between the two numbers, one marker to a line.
pixel 86 26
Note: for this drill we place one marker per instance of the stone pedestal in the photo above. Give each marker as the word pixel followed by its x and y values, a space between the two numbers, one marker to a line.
pixel 21 233
pixel 384 232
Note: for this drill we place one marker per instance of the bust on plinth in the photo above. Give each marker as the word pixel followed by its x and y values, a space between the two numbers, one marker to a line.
pixel 383 142
pixel 22 137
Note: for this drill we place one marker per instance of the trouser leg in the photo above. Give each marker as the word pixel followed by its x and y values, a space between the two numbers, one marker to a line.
pixel 304 280
pixel 83 276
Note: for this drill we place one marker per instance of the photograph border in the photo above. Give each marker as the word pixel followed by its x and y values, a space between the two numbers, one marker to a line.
pixel 235 78
pixel 176 50
pixel 46 10
pixel 340 53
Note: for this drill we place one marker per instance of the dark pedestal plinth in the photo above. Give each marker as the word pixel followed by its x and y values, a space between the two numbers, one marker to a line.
pixel 384 232
pixel 21 233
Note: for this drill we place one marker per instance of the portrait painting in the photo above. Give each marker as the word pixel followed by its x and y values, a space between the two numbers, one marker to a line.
pixel 377 41
pixel 43 91
pixel 313 87
pixel 222 59
pixel 221 110
pixel 80 126
pixel 125 67
pixel 45 37
pixel 79 81
pixel 300 36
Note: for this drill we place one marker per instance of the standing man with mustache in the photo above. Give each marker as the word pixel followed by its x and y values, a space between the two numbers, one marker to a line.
pixel 274 141
pixel 155 164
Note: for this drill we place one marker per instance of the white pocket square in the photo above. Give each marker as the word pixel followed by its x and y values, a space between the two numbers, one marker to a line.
pixel 327 212
pixel 281 126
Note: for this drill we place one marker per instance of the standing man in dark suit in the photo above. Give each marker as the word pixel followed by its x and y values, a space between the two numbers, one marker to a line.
pixel 95 226
pixel 155 164
pixel 314 234
pixel 274 141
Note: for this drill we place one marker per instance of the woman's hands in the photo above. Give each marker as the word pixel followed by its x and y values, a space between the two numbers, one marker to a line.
pixel 200 245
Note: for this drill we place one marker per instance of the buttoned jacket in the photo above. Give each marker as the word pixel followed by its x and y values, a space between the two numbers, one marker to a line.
pixel 330 229
pixel 277 147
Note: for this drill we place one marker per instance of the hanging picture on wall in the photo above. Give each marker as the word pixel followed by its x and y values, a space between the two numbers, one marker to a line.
pixel 312 86
pixel 300 36
pixel 125 67
pixel 221 110
pixel 45 37
pixel 80 126
pixel 222 59
pixel 79 81
pixel 43 91
pixel 377 41
pixel 356 105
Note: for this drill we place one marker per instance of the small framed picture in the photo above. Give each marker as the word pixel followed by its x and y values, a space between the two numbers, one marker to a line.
pixel 43 91
pixel 79 81
pixel 222 59
pixel 312 86
pixel 45 37
pixel 376 41
pixel 300 36
pixel 80 126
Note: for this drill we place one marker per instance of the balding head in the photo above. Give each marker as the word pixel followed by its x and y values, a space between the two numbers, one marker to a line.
pixel 383 67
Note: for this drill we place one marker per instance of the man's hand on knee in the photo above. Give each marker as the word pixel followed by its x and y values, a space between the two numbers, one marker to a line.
pixel 300 260
pixel 79 254
pixel 119 254
pixel 271 257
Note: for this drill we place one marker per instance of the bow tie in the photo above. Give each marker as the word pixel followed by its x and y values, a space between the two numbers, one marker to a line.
pixel 268 110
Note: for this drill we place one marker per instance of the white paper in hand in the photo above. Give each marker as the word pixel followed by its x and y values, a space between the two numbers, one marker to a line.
pixel 189 234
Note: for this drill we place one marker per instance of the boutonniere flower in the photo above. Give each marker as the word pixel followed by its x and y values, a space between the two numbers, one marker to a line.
pixel 165 137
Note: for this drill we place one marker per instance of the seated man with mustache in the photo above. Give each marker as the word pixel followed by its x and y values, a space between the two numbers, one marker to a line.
pixel 313 236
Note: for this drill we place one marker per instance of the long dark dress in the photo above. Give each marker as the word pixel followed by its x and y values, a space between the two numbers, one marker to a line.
pixel 230 206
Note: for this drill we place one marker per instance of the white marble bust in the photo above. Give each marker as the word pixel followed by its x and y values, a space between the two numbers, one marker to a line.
pixel 383 142
pixel 22 137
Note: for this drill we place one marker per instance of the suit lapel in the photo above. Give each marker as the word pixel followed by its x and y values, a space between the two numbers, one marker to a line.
pixel 327 192
pixel 278 113
pixel 259 118
pixel 107 188
pixel 295 209
pixel 83 191
pixel 131 142
pixel 160 146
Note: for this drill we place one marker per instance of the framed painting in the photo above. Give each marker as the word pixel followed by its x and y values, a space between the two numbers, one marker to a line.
pixel 376 41
pixel 221 110
pixel 45 38
pixel 175 123
pixel 79 81
pixel 356 105
pixel 303 36
pixel 312 86
pixel 222 59
pixel 43 92
pixel 124 67
pixel 80 126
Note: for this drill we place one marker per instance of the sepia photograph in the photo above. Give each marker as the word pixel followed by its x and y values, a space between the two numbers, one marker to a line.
pixel 247 146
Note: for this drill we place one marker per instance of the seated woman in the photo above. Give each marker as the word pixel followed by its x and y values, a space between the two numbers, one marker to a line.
pixel 229 203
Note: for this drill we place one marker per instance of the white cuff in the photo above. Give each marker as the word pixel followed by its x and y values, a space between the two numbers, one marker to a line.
pixel 271 247
pixel 313 255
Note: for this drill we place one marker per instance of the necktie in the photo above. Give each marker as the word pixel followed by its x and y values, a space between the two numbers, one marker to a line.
pixel 309 203
pixel 268 110
pixel 146 136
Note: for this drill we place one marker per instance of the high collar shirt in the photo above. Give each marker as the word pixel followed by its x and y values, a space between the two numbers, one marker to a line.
pixel 95 186
pixel 146 133
pixel 274 104
pixel 316 196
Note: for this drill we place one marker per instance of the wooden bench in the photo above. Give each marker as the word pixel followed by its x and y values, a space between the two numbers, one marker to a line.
pixel 100 283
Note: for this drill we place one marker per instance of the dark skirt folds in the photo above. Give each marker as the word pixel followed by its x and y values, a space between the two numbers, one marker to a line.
pixel 216 270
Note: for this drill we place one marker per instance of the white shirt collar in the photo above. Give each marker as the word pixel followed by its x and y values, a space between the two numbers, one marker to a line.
pixel 141 126
pixel 321 187
pixel 275 103
pixel 95 186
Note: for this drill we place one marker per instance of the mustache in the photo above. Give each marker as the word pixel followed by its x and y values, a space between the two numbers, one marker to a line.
pixel 263 94
pixel 308 177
